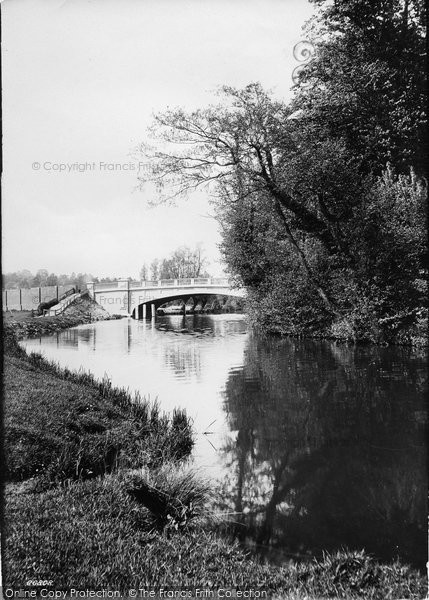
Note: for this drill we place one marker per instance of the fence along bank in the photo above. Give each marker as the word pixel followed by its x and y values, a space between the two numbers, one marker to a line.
pixel 30 298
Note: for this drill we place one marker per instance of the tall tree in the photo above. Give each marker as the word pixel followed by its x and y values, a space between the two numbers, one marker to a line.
pixel 154 269
pixel 248 148
pixel 183 263
pixel 294 185
pixel 366 83
pixel 42 275
pixel 143 272
pixel 52 279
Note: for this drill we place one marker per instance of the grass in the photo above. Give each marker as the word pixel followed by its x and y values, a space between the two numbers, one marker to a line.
pixel 95 534
pixel 19 324
pixel 175 498
pixel 62 425
pixel 17 315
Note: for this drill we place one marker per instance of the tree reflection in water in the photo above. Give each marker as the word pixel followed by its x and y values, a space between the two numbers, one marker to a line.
pixel 330 449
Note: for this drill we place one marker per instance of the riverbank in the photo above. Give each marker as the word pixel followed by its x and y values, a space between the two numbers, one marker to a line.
pixel 61 425
pixel 84 310
pixel 95 535
pixel 408 329
pixel 76 515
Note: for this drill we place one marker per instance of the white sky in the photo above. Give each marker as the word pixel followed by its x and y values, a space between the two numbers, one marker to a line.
pixel 81 79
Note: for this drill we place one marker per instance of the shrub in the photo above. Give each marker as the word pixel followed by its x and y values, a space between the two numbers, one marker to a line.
pixel 175 497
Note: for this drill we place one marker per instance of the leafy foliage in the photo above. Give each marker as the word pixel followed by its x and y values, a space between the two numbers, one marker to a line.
pixel 322 202
pixel 182 263
pixel 367 81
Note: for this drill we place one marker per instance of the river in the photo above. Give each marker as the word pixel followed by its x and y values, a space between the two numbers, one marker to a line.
pixel 311 445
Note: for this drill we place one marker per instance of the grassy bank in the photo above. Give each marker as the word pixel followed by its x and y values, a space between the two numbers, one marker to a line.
pixel 96 498
pixel 122 550
pixel 63 425
pixel 95 534
pixel 84 310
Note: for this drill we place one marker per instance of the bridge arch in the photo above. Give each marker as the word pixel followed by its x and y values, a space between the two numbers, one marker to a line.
pixel 149 308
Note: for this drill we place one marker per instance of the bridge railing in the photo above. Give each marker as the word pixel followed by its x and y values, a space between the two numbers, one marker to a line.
pixel 185 281
pixel 64 303
pixel 106 286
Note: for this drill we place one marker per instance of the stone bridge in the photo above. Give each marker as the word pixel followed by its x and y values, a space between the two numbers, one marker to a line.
pixel 141 299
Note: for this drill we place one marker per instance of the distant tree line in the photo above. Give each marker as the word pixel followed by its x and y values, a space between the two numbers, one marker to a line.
pixel 184 262
pixel 322 201
pixel 27 279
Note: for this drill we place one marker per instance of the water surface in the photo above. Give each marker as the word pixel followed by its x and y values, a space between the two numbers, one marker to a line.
pixel 313 445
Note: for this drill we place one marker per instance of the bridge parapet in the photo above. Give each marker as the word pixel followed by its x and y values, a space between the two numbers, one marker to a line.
pixel 162 283
pixel 100 287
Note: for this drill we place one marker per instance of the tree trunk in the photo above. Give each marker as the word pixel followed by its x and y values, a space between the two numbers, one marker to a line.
pixel 330 305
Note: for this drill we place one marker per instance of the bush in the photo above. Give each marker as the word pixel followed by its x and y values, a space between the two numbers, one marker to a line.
pixel 176 498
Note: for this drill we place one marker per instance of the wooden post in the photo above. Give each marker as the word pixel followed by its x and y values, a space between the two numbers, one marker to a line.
pixel 152 310
pixel 144 311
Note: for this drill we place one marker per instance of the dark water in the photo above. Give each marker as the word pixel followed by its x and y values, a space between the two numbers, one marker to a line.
pixel 312 445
